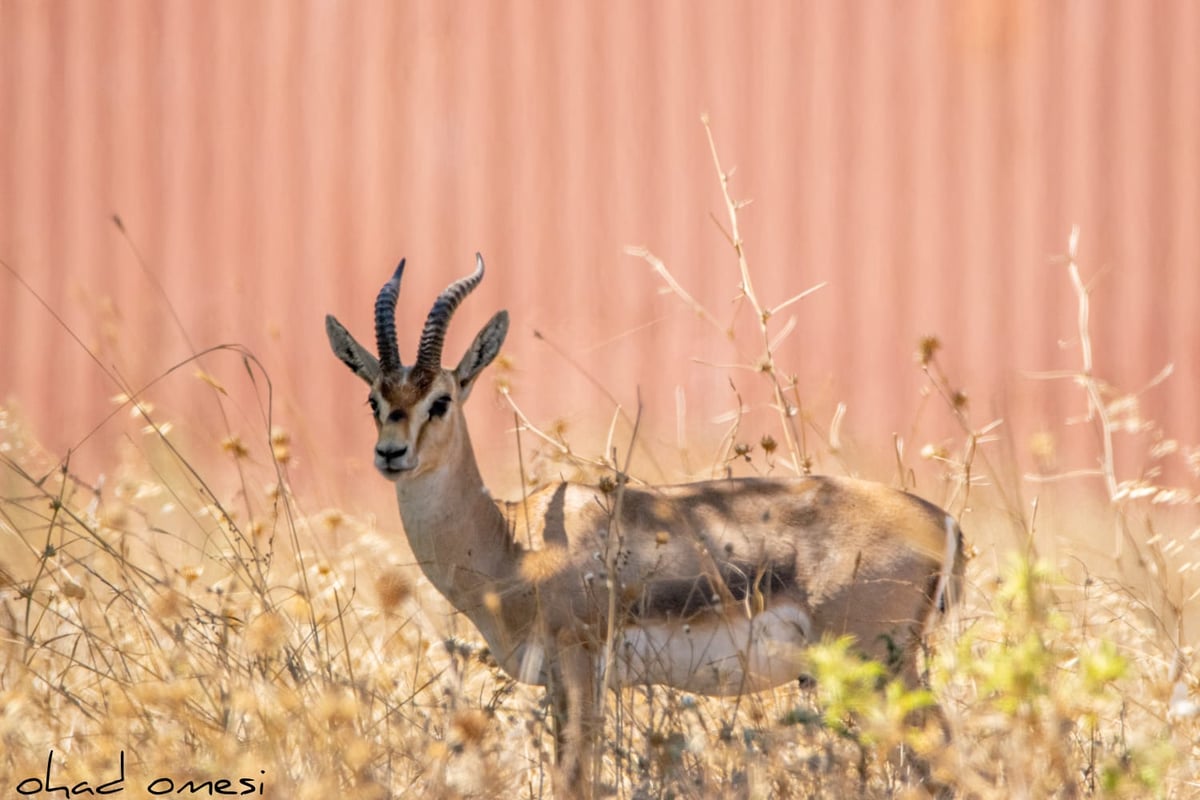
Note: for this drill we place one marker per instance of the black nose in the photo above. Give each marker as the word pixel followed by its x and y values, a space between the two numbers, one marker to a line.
pixel 387 454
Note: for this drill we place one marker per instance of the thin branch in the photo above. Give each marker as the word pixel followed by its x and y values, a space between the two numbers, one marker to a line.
pixel 661 270
pixel 799 459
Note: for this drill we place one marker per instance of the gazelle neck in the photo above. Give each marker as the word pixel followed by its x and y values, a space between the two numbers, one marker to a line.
pixel 456 532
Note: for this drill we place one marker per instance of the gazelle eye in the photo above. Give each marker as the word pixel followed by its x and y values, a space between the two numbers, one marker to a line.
pixel 438 407
pixel 374 404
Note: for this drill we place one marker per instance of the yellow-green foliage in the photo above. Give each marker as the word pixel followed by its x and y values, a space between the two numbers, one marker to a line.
pixel 857 692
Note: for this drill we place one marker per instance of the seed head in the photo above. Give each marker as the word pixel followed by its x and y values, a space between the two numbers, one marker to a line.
pixel 927 348
pixel 266 634
pixel 281 445
pixel 470 725
pixel 234 446
pixel 393 588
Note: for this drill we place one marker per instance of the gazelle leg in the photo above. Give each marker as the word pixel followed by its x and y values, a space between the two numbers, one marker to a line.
pixel 576 724
pixel 920 719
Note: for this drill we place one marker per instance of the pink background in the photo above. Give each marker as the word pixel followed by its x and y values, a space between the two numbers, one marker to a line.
pixel 272 161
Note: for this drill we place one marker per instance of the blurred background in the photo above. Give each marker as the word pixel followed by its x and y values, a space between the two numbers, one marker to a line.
pixel 926 162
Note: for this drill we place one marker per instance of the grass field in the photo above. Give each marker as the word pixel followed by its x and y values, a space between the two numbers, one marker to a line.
pixel 196 634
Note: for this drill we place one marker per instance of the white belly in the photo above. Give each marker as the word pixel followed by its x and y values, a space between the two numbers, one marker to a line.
pixel 716 655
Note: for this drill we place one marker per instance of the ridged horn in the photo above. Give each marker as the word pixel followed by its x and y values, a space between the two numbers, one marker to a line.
pixel 385 323
pixel 429 354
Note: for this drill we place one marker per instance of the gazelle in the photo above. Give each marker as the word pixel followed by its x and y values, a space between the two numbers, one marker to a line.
pixel 714 587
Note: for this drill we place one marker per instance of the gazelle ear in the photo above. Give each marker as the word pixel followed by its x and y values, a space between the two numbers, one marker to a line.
pixel 480 353
pixel 351 353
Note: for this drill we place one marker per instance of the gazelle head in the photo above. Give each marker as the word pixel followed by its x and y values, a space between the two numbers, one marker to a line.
pixel 418 408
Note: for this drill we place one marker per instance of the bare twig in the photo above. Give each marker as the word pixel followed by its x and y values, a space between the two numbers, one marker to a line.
pixel 787 412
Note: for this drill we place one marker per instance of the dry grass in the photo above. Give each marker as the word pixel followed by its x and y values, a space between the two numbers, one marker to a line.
pixel 199 623
pixel 208 642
